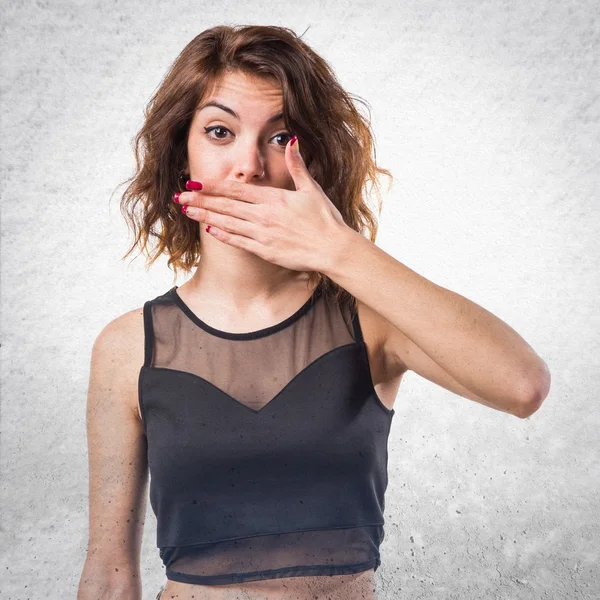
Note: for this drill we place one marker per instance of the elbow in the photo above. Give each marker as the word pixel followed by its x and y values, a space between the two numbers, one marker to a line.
pixel 539 389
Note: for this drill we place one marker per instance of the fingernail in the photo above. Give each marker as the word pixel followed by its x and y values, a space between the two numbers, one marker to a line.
pixel 193 185
pixel 184 209
pixel 208 228
pixel 176 196
pixel 294 140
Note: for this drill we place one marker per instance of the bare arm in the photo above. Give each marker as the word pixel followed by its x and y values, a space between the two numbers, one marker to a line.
pixel 117 464
pixel 482 353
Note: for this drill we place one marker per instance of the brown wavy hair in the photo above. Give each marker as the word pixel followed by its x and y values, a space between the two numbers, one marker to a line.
pixel 336 141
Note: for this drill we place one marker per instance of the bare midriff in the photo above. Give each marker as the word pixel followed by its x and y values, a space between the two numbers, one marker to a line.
pixel 357 586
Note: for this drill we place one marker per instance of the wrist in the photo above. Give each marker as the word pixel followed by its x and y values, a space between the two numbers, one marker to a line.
pixel 339 247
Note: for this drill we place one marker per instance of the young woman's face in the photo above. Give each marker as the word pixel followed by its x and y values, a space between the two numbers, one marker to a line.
pixel 223 146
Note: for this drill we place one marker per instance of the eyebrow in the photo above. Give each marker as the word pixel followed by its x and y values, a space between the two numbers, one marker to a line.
pixel 272 119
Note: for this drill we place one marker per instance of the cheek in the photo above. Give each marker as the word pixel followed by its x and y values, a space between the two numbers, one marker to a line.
pixel 196 145
pixel 199 144
pixel 204 157
pixel 280 175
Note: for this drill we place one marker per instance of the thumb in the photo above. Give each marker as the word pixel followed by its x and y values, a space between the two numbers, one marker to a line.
pixel 295 164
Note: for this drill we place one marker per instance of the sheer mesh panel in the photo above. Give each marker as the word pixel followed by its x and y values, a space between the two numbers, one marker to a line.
pixel 251 371
pixel 309 553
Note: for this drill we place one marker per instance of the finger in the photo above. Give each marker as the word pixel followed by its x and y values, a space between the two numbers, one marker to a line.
pixel 227 223
pixel 220 204
pixel 236 190
pixel 239 241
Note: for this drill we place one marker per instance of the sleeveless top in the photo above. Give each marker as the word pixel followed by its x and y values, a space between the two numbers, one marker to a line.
pixel 267 450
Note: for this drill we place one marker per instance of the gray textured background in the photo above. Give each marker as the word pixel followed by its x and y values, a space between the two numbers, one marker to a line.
pixel 487 113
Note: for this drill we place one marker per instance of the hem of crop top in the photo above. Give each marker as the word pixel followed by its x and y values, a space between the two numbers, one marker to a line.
pixel 306 571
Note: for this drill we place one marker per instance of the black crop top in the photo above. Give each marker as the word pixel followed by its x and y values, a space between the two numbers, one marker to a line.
pixel 267 450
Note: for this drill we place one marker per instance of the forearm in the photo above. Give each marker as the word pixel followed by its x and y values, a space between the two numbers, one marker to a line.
pixel 478 349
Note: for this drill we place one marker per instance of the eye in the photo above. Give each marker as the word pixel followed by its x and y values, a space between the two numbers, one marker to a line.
pixel 222 129
pixel 208 130
pixel 285 134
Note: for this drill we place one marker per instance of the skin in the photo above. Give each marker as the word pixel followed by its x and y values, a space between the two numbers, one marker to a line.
pixel 360 586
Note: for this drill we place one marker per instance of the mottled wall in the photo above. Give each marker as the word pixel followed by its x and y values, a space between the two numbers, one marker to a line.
pixel 487 114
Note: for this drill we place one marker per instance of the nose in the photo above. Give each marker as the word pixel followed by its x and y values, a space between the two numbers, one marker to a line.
pixel 250 164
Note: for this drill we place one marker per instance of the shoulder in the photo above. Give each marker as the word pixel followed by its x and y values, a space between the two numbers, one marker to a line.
pixel 123 333
pixel 118 351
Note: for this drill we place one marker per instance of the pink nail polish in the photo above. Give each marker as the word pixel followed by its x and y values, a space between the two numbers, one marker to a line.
pixel 208 228
pixel 193 185
pixel 184 208
pixel 176 196
pixel 293 140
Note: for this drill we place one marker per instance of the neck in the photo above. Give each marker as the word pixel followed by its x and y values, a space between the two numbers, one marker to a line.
pixel 239 278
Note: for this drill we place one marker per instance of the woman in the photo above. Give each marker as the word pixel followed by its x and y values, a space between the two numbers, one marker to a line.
pixel 259 394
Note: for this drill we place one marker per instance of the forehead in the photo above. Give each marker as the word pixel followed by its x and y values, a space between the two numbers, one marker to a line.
pixel 245 90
